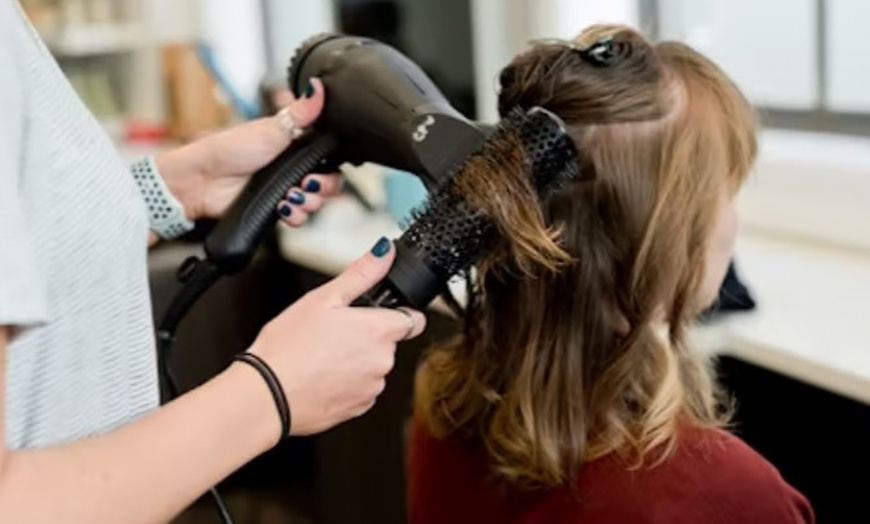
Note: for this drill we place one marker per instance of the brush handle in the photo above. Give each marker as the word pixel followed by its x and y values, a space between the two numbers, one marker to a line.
pixel 410 283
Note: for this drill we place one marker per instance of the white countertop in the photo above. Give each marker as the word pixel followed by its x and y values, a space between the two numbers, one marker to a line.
pixel 813 316
pixel 813 304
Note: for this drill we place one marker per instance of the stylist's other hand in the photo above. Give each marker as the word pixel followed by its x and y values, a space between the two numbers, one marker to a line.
pixel 208 174
pixel 331 358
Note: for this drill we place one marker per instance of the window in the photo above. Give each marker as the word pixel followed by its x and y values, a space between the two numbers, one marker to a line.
pixel 799 61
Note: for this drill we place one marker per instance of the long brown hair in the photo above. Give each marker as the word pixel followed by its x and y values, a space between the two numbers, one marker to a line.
pixel 575 357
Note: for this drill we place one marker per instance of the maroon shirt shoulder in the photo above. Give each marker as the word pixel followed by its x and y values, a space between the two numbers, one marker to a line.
pixel 713 477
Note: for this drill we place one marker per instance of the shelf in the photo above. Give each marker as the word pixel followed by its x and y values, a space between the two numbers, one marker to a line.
pixel 93 40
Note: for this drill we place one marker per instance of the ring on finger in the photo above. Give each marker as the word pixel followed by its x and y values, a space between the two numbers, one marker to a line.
pixel 288 124
pixel 409 318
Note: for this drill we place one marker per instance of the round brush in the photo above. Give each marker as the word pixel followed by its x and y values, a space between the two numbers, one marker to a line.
pixel 449 233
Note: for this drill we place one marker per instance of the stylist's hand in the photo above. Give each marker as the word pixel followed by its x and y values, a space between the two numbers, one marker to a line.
pixel 208 174
pixel 332 358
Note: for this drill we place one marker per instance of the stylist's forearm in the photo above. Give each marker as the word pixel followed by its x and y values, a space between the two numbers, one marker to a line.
pixel 148 471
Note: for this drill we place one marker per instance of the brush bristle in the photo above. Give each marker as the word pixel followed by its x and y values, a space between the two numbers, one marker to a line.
pixel 549 149
pixel 449 233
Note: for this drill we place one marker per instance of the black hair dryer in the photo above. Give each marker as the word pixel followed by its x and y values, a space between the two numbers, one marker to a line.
pixel 383 108
pixel 380 107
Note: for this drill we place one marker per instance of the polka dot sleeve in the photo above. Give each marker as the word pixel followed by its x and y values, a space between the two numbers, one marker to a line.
pixel 165 213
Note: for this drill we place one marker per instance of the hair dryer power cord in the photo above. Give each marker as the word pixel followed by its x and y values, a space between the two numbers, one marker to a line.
pixel 199 276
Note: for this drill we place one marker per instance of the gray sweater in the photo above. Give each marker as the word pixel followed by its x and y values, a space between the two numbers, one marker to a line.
pixel 73 247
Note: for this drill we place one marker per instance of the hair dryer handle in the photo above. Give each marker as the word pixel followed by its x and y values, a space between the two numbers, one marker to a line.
pixel 232 243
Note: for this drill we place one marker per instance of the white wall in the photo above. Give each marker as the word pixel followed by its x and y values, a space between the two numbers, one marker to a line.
pixel 771 47
pixel 810 186
pixel 294 21
pixel 502 28
pixel 566 18
pixel 848 42
pixel 234 29
pixel 768 46
pixel 498 32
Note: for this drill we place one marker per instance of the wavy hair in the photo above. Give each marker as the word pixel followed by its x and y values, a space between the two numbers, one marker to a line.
pixel 574 351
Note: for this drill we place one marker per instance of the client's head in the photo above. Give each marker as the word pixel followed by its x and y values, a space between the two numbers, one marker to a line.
pixel 562 363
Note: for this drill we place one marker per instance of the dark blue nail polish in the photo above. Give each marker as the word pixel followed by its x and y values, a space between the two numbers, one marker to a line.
pixel 285 210
pixel 296 197
pixel 313 186
pixel 309 89
pixel 382 247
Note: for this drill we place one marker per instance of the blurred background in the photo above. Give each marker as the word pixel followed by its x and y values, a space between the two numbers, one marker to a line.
pixel 791 334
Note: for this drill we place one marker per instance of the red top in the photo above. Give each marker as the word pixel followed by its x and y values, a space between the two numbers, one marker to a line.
pixel 713 477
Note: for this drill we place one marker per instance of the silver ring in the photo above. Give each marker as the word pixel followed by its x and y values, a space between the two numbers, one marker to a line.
pixel 288 125
pixel 409 318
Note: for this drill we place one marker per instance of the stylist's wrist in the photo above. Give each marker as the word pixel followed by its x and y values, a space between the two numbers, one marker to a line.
pixel 185 172
pixel 261 417
pixel 330 357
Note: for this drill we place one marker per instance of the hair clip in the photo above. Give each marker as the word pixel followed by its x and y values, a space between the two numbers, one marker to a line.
pixel 600 53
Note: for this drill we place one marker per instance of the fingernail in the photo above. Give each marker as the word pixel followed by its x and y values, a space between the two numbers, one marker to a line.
pixel 382 247
pixel 313 186
pixel 285 210
pixel 296 197
pixel 309 89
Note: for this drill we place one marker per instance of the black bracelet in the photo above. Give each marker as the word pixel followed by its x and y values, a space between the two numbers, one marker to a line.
pixel 274 386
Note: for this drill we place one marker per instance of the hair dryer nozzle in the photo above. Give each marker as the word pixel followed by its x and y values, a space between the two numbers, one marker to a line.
pixel 383 108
